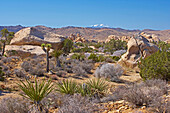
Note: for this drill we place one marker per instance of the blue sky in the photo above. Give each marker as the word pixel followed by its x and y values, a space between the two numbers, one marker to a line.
pixel 128 14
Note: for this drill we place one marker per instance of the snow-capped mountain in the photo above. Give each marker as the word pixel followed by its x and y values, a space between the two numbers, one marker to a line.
pixel 99 26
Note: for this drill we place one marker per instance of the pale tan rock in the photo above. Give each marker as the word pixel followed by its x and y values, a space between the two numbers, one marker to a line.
pixel 33 36
pixel 150 38
pixel 25 50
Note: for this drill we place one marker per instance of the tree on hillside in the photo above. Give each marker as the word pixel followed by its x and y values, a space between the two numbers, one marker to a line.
pixel 6 38
pixel 157 65
pixel 56 54
pixel 68 44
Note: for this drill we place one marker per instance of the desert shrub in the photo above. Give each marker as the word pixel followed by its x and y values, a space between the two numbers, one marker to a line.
pixel 81 67
pixel 144 93
pixel 116 58
pixel 8 72
pixel 37 71
pixel 85 49
pixel 96 58
pixel 20 73
pixel 78 70
pixel 67 46
pixel 1 74
pixel 156 66
pixel 26 66
pixel 93 57
pixel 78 56
pixel 34 66
pixel 109 59
pixel 14 105
pixel 79 44
pixel 114 45
pixel 78 104
pixel 109 71
pixel 67 87
pixel 5 68
pixel 61 73
pixel 1 63
pixel 53 100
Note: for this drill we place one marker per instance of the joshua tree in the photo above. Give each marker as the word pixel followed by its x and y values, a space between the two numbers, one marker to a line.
pixel 4 33
pixel 6 38
pixel 56 54
pixel 46 48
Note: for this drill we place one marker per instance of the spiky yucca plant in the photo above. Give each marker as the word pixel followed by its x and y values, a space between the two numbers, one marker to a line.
pixel 99 87
pixel 84 90
pixel 67 87
pixel 36 92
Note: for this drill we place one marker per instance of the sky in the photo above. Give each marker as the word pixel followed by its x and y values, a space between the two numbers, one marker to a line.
pixel 127 14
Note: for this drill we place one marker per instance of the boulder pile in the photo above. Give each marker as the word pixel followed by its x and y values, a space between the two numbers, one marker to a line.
pixel 138 47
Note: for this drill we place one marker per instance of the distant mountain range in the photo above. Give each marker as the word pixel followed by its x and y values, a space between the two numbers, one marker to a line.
pixel 98 32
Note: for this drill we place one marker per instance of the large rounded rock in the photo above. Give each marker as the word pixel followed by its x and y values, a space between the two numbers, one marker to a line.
pixel 33 36
pixel 133 54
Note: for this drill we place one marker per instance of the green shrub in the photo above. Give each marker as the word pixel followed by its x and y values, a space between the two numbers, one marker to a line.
pixel 116 58
pixel 96 58
pixel 76 50
pixel 78 56
pixel 114 45
pixel 67 46
pixel 156 66
pixel 93 57
pixel 79 44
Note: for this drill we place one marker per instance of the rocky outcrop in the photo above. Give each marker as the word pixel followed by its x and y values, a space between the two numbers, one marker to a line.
pixel 27 42
pixel 77 38
pixel 32 36
pixel 150 38
pixel 137 47
pixel 123 38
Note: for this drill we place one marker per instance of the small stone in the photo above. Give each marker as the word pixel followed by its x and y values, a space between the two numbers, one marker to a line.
pixel 10 79
pixel 144 107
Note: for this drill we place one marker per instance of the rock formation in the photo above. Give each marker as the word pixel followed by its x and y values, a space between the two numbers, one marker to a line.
pixel 77 38
pixel 29 40
pixel 32 36
pixel 137 48
pixel 123 38
pixel 150 38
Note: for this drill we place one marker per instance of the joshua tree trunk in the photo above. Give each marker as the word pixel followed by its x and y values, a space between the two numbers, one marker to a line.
pixel 3 49
pixel 47 58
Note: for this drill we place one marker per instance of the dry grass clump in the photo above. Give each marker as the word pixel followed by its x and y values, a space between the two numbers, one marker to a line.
pixel 14 105
pixel 78 104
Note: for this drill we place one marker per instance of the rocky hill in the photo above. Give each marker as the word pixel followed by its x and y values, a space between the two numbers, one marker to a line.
pixel 95 33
